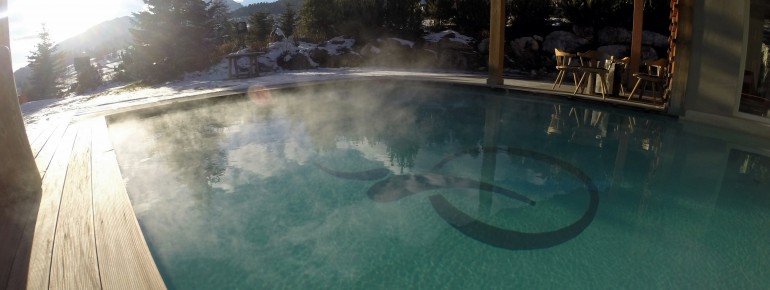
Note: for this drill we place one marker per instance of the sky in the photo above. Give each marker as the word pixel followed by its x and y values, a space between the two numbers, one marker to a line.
pixel 63 19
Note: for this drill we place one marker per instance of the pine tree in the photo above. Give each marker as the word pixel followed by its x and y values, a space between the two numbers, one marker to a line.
pixel 261 25
pixel 288 20
pixel 442 12
pixel 403 17
pixel 317 19
pixel 47 70
pixel 171 37
pixel 219 19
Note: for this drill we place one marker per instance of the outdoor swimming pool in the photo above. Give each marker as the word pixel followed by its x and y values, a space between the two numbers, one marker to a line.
pixel 407 185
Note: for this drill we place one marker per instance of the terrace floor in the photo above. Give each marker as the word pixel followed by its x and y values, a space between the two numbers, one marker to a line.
pixel 85 234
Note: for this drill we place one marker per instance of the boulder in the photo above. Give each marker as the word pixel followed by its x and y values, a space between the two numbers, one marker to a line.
pixel 320 55
pixel 563 40
pixel 654 39
pixel 369 50
pixel 616 50
pixel 525 46
pixel 296 61
pixel 583 32
pixel 525 53
pixel 614 35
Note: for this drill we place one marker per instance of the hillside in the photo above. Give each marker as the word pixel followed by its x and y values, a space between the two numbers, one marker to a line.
pixel 276 7
pixel 232 5
pixel 102 39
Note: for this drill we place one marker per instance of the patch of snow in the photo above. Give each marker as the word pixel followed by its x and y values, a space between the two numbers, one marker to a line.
pixel 339 45
pixel 217 72
pixel 449 34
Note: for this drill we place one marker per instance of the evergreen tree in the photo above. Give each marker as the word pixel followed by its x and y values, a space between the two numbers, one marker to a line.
pixel 472 17
pixel 261 25
pixel 442 12
pixel 403 17
pixel 317 19
pixel 171 37
pixel 47 70
pixel 219 18
pixel 288 20
pixel 361 19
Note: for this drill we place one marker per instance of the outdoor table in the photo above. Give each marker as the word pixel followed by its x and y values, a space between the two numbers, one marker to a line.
pixel 234 68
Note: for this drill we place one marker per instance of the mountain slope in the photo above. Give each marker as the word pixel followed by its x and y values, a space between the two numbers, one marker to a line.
pixel 232 5
pixel 102 39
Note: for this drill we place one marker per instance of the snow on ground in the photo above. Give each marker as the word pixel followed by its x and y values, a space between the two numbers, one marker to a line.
pixel 450 34
pixel 339 45
pixel 43 113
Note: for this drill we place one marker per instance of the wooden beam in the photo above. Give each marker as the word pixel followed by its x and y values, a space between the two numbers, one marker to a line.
pixel 496 42
pixel 124 258
pixel 18 174
pixel 73 263
pixel 636 40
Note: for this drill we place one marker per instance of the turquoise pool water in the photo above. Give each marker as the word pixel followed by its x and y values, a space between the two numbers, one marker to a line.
pixel 383 185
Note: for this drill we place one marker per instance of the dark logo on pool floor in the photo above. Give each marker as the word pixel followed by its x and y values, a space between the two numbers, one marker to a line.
pixel 395 187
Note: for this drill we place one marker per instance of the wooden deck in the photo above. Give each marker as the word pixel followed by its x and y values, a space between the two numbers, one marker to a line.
pixel 86 235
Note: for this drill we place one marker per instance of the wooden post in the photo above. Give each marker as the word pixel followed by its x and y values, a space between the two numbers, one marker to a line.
pixel 18 173
pixel 496 42
pixel 636 40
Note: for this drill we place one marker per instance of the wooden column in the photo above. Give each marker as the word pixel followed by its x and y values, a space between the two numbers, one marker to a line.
pixel 496 42
pixel 18 172
pixel 636 40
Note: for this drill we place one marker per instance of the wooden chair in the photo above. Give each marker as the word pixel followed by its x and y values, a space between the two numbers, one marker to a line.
pixel 592 64
pixel 624 62
pixel 564 65
pixel 656 74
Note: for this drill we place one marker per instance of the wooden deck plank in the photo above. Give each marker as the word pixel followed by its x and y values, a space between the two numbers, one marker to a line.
pixel 20 264
pixel 34 134
pixel 41 140
pixel 44 155
pixel 124 258
pixel 73 263
pixel 43 231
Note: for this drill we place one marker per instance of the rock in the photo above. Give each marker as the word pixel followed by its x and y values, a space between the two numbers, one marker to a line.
pixel 394 46
pixel 296 61
pixel 525 46
pixel 616 50
pixel 370 50
pixel 320 55
pixel 654 39
pixel 583 32
pixel 614 35
pixel 563 40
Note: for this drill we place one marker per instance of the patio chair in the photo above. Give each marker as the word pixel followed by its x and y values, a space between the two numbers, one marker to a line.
pixel 592 64
pixel 656 75
pixel 564 65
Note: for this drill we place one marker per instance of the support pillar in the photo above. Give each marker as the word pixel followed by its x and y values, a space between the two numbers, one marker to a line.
pixel 496 42
pixel 18 173
pixel 636 40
